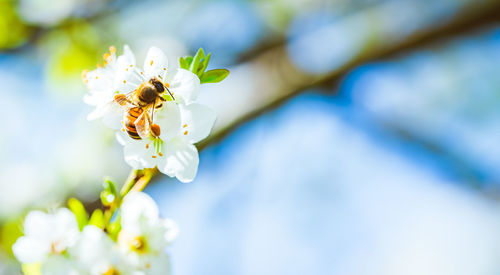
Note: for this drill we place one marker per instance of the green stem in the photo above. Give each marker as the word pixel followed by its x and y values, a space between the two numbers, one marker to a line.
pixel 137 181
pixel 130 182
pixel 143 181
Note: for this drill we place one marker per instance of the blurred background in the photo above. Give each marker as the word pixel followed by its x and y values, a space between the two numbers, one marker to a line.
pixel 353 137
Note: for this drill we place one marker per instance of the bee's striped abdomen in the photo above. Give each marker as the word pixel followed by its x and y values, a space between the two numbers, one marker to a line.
pixel 129 121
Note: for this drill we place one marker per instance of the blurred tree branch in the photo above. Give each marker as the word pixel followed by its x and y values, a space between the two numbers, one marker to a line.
pixel 271 78
pixel 289 81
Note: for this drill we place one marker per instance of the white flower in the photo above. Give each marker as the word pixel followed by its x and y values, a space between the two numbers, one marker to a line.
pixel 121 76
pixel 103 85
pixel 144 235
pixel 173 151
pixel 181 121
pixel 47 239
pixel 97 254
pixel 184 85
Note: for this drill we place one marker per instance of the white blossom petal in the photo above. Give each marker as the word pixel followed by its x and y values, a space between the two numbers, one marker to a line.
pixel 181 160
pixel 95 251
pixel 184 84
pixel 171 230
pixel 126 80
pixel 138 209
pixel 30 250
pixel 37 224
pixel 169 120
pixel 60 265
pixel 156 265
pixel 156 63
pixel 197 121
pixel 138 153
pixel 127 58
pixel 65 227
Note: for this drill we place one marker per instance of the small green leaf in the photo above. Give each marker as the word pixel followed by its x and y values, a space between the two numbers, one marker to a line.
pixel 203 65
pixel 79 210
pixel 196 61
pixel 110 186
pixel 107 198
pixel 97 218
pixel 183 64
pixel 214 76
pixel 114 228
pixel 189 60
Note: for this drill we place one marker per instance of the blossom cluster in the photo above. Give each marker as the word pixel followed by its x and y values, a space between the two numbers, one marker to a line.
pixel 174 125
pixel 60 243
pixel 158 121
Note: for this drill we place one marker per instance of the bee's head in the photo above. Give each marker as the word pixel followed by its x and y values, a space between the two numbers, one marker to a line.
pixel 157 84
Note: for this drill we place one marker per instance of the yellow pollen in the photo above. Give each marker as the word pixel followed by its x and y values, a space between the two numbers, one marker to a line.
pixel 106 56
pixel 131 65
pixel 186 132
pixel 126 69
pixel 96 77
pixel 168 85
pixel 124 81
pixel 151 63
pixel 159 153
pixel 142 73
pixel 147 146
pixel 112 49
pixel 164 69
pixel 153 157
pixel 111 271
pixel 184 126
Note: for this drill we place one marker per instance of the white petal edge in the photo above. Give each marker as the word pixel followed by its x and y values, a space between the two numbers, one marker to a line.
pixel 156 63
pixel 30 250
pixel 181 160
pixel 136 207
pixel 184 84
pixel 169 120
pixel 197 120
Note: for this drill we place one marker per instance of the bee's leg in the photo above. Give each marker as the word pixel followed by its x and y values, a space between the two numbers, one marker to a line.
pixel 170 93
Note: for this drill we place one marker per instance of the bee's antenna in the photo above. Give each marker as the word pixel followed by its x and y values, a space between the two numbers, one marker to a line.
pixel 170 93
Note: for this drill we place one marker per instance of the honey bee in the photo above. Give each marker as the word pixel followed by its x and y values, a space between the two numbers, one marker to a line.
pixel 139 106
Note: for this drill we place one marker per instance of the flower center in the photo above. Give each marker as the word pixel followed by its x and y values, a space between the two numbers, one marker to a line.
pixel 57 248
pixel 111 271
pixel 138 244
pixel 157 145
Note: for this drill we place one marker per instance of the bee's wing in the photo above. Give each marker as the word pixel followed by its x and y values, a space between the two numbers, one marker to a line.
pixel 143 124
pixel 116 107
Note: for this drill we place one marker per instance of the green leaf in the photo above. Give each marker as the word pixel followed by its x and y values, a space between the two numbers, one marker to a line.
pixel 214 76
pixel 79 210
pixel 114 228
pixel 107 198
pixel 110 194
pixel 196 61
pixel 97 218
pixel 183 63
pixel 203 65
pixel 189 60
pixel 110 186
